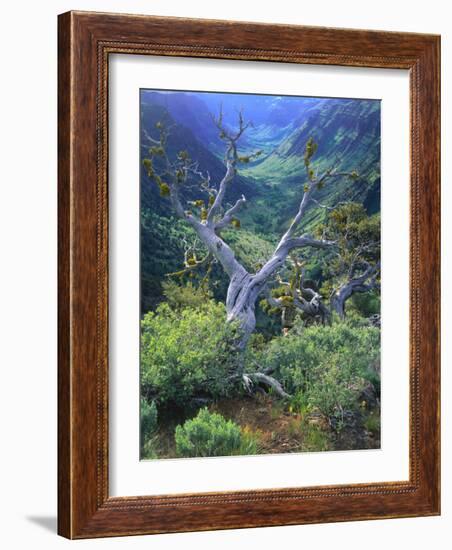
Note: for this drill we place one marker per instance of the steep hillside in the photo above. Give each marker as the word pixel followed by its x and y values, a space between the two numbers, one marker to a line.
pixel 162 235
pixel 183 138
pixel 347 132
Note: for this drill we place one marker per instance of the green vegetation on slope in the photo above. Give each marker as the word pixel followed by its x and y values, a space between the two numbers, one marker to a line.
pixel 193 403
pixel 332 374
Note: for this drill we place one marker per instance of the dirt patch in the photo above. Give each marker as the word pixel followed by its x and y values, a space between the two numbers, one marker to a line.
pixel 358 432
pixel 282 431
pixel 279 430
pixel 267 417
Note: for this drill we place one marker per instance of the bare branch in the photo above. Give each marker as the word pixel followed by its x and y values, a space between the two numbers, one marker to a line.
pixel 288 240
pixel 312 306
pixel 281 253
pixel 215 208
pixel 356 284
pixel 231 159
pixel 150 139
pixel 307 240
pixel 269 381
pixel 229 215
pixel 326 207
pixel 301 210
pixel 191 264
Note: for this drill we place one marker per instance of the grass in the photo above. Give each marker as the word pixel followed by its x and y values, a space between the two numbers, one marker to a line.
pixel 271 426
pixel 372 423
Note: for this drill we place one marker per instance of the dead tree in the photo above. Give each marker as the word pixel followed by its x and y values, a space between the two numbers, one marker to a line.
pixel 209 217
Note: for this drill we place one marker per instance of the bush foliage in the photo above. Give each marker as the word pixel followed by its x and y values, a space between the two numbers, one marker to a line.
pixel 324 367
pixel 148 414
pixel 148 428
pixel 210 434
pixel 182 296
pixel 187 353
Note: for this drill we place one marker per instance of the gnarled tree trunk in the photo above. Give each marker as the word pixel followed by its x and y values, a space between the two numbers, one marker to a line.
pixel 363 283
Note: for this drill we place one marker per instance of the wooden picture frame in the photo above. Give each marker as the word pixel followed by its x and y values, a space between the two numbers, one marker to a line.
pixel 86 40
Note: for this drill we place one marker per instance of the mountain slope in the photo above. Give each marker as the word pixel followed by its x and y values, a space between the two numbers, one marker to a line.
pixel 348 130
pixel 345 129
pixel 183 138
pixel 347 133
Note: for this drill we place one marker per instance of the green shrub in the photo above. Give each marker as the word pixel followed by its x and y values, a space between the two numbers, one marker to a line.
pixel 148 428
pixel 303 428
pixel 372 423
pixel 187 353
pixel 148 418
pixel 210 434
pixel 298 403
pixel 324 368
pixel 250 444
pixel 335 389
pixel 181 296
pixel 149 449
pixel 366 304
pixel 315 439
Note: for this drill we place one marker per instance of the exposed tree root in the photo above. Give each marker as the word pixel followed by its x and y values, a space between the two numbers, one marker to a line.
pixel 250 380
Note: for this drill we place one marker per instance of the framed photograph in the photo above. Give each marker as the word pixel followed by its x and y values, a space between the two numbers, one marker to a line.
pixel 248 275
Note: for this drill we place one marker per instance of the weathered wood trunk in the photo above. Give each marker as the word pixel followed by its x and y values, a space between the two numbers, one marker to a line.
pixel 240 305
pixel 363 283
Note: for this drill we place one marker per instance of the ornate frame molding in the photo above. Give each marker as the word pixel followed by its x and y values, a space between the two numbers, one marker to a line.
pixel 85 42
